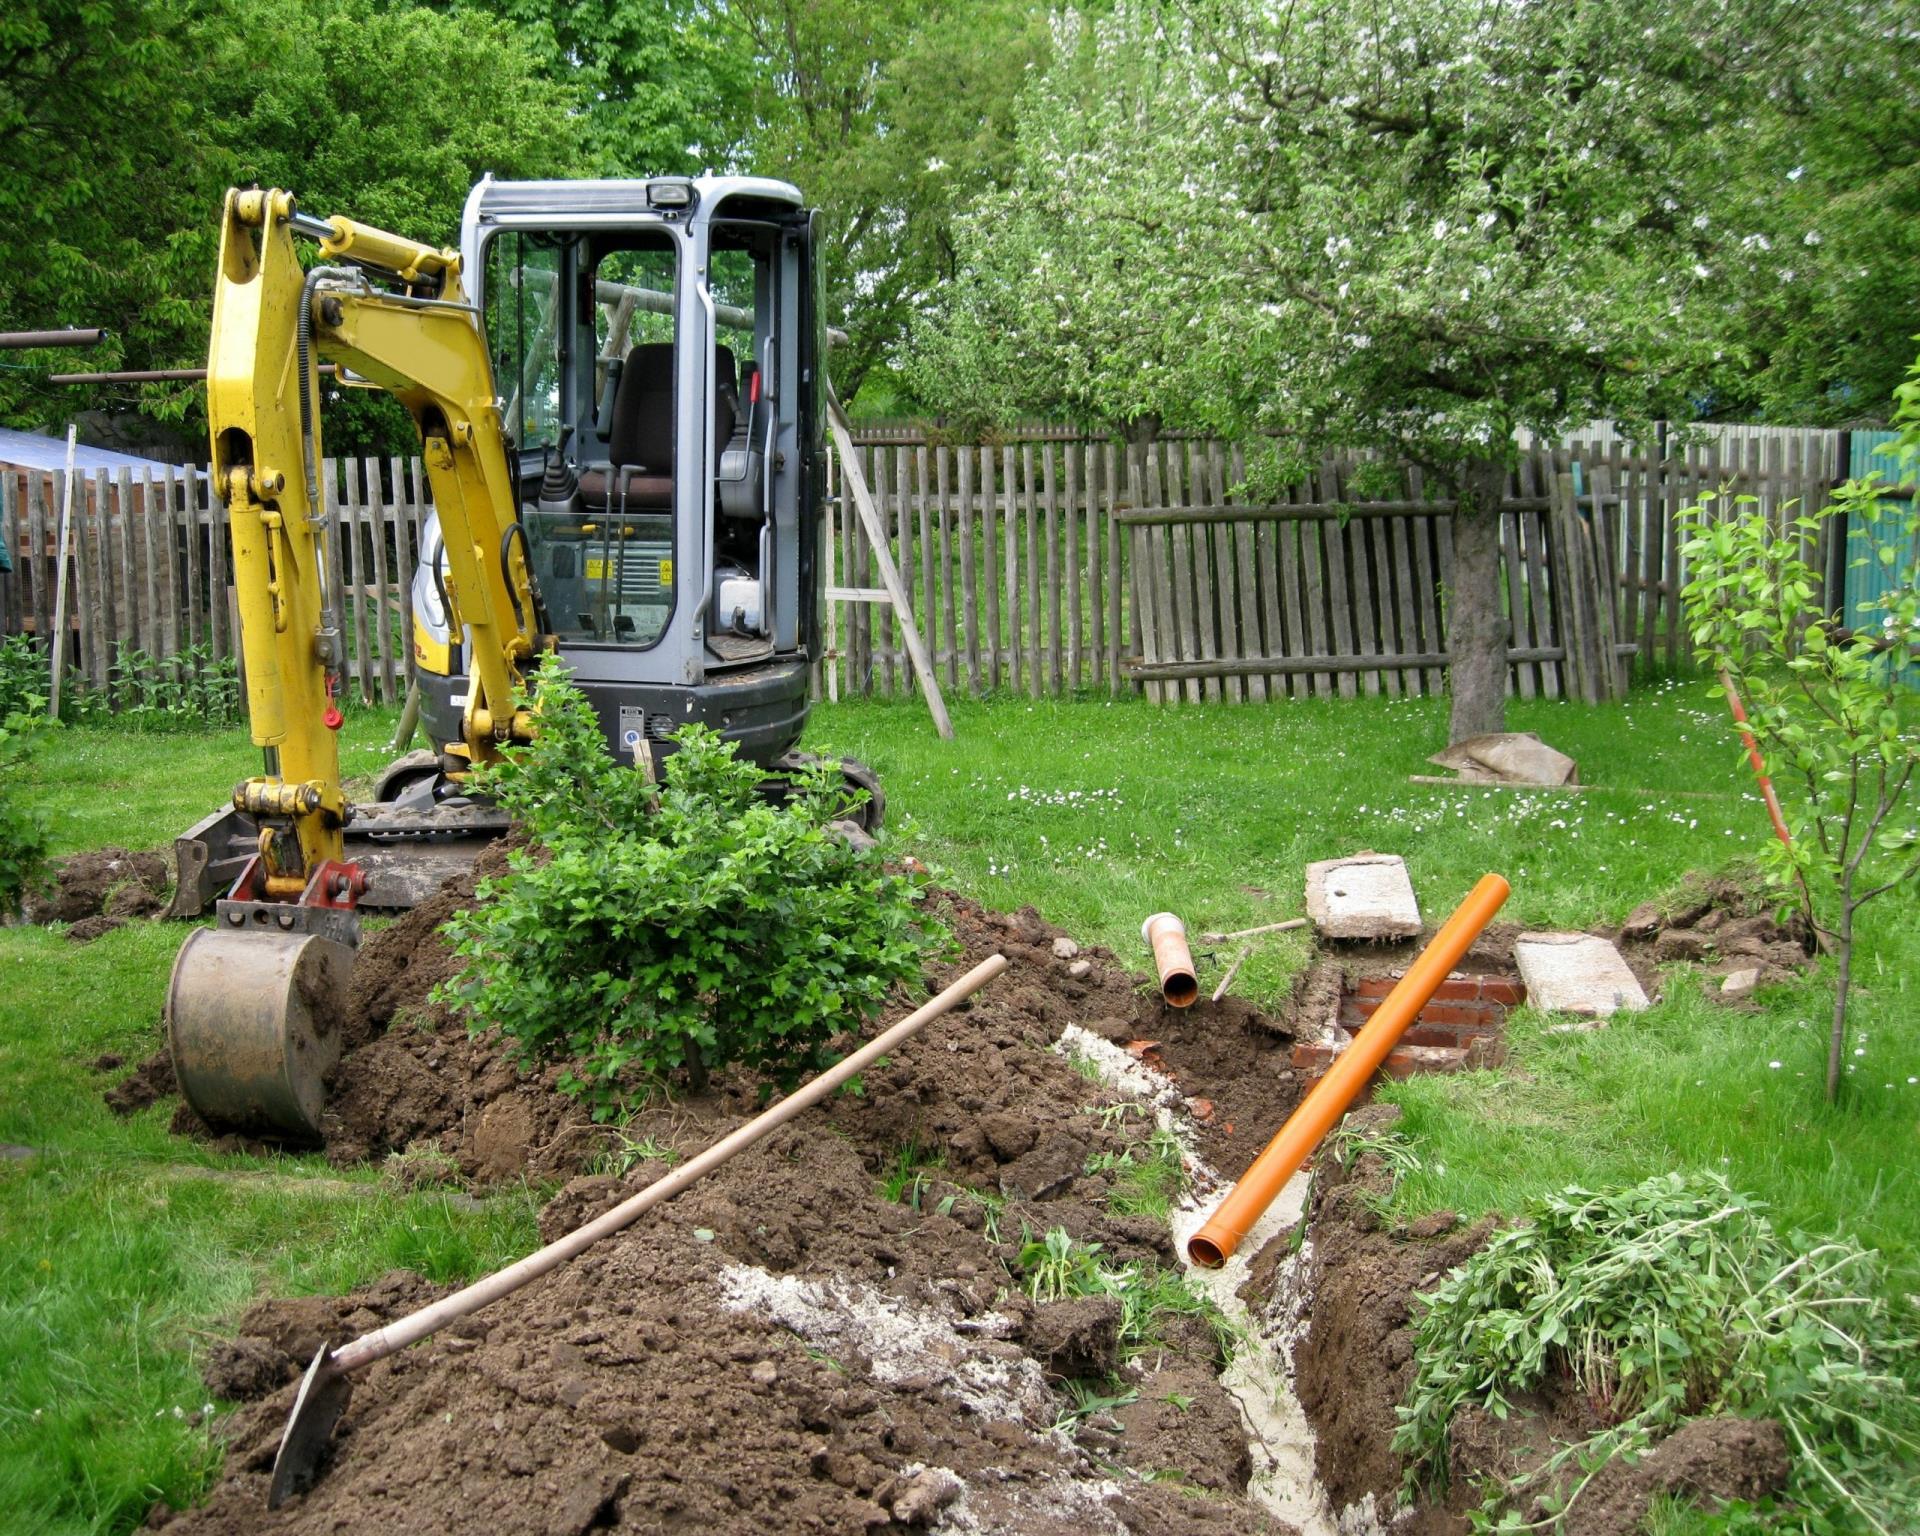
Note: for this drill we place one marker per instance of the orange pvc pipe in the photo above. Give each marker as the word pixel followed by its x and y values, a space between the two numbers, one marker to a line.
pixel 1214 1243
pixel 1166 936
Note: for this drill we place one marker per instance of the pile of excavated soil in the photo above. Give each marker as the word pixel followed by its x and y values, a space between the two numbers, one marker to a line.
pixel 1355 1362
pixel 785 1348
pixel 1722 924
pixel 413 1074
pixel 782 1347
pixel 98 891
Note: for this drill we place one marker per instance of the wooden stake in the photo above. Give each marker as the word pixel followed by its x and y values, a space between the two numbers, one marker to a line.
pixel 1232 971
pixel 1251 933
pixel 59 637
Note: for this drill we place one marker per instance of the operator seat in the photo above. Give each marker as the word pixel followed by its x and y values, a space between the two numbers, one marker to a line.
pixel 640 441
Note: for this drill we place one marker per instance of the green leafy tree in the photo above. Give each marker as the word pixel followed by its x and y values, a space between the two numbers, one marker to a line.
pixel 1416 227
pixel 663 86
pixel 688 926
pixel 1830 292
pixel 1828 704
pixel 122 123
pixel 104 160
pixel 891 120
pixel 369 110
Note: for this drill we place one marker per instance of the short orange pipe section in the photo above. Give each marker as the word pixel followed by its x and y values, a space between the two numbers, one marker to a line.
pixel 1352 1069
pixel 1166 936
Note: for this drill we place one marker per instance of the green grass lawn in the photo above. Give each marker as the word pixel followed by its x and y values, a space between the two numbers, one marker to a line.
pixel 125 1246
pixel 1099 814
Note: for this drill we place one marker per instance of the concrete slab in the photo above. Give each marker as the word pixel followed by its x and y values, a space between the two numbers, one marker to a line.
pixel 1366 896
pixel 1576 973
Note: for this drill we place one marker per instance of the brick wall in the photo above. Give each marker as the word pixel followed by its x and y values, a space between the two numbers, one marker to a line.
pixel 1461 1026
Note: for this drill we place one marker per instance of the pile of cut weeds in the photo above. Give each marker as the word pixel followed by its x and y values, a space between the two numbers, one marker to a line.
pixel 1355 1362
pixel 833 1332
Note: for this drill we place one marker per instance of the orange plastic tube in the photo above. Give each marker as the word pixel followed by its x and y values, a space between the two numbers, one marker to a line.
pixel 1166 936
pixel 1214 1243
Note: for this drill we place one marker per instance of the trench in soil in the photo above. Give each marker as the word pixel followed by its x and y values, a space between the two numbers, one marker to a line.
pixel 784 1346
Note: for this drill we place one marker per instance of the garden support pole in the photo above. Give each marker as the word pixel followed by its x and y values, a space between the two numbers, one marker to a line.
pixel 1214 1243
pixel 57 641
pixel 1759 764
pixel 325 1389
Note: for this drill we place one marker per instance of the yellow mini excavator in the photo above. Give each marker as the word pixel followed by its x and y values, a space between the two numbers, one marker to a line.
pixel 619 389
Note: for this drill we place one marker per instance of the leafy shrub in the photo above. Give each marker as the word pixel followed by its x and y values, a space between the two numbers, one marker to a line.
pixel 23 833
pixel 23 677
pixel 1670 1299
pixel 692 925
pixel 189 691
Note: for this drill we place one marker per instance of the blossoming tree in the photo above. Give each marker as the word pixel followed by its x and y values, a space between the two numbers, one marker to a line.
pixel 1417 226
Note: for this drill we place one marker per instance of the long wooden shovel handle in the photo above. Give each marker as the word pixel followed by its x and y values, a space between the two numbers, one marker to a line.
pixel 397 1335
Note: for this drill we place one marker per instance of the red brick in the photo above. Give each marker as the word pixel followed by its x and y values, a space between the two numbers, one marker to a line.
pixel 1374 986
pixel 1504 990
pixel 1452 1036
pixel 1405 1060
pixel 1475 1015
pixel 1402 1061
pixel 1313 1058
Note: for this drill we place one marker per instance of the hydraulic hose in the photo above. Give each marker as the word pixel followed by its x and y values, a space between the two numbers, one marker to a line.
pixel 303 342
pixel 330 641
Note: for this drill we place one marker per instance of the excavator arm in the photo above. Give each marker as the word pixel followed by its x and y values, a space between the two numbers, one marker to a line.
pixel 397 320
pixel 252 1004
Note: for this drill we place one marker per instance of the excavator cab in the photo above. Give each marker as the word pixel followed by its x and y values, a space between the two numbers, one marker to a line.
pixel 619 388
pixel 658 349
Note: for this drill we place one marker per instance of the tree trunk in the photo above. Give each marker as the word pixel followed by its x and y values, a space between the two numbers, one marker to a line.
pixel 1837 1040
pixel 1476 628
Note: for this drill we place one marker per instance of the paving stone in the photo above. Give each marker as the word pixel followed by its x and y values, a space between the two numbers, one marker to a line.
pixel 1576 973
pixel 1367 896
pixel 1741 982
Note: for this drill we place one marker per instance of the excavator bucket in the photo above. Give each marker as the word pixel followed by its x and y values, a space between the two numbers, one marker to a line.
pixel 254 1023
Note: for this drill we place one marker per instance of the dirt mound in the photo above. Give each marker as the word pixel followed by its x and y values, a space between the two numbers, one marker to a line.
pixel 827 1334
pixel 1706 1461
pixel 1723 923
pixel 984 1098
pixel 783 1347
pixel 146 1084
pixel 101 888
pixel 1354 1364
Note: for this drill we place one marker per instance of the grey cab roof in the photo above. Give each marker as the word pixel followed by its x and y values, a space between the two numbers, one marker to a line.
pixel 503 201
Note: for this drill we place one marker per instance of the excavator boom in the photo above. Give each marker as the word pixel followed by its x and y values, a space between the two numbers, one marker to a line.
pixel 253 1004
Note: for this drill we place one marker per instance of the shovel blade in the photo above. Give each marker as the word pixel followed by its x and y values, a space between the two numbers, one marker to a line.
pixel 324 1393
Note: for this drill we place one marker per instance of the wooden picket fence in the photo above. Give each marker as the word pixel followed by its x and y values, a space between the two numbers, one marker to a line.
pixel 1046 565
pixel 149 569
pixel 1053 567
